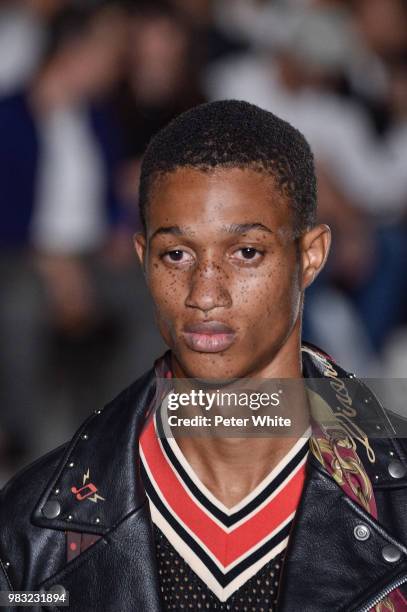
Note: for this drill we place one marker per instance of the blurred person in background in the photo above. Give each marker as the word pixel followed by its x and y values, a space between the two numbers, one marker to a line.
pixel 65 263
pixel 23 31
pixel 303 71
pixel 163 68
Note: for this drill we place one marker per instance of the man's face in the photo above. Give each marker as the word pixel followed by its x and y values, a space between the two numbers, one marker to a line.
pixel 223 269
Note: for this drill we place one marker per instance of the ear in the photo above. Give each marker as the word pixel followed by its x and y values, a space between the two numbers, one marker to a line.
pixel 315 244
pixel 140 246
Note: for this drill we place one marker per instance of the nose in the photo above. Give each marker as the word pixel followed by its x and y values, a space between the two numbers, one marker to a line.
pixel 208 288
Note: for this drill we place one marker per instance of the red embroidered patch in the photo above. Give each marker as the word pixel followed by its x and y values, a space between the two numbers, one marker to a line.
pixel 88 490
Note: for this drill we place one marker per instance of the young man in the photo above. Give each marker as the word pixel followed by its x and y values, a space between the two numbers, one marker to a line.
pixel 124 521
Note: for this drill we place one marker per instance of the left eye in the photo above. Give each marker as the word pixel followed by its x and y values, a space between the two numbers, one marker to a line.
pixel 248 253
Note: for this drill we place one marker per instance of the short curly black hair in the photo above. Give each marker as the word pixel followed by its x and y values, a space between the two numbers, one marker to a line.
pixel 235 134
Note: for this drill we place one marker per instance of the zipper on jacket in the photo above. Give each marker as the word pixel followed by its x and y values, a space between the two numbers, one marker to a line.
pixel 372 603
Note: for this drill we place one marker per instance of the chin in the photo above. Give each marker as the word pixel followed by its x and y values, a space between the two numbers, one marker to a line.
pixel 208 366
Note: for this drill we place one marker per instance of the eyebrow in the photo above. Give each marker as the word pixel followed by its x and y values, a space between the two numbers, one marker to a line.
pixel 242 228
pixel 234 228
pixel 173 230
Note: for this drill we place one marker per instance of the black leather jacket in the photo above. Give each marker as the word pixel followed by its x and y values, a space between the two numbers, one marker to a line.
pixel 327 567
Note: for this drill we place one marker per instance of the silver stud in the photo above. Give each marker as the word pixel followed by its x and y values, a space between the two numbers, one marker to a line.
pixel 71 464
pixel 97 520
pixel 366 400
pixel 98 411
pixel 397 469
pixel 51 509
pixel 361 532
pixel 391 453
pixel 376 477
pixel 57 589
pixel 84 436
pixel 7 564
pixel 69 517
pixel 57 491
pixel 378 427
pixel 391 553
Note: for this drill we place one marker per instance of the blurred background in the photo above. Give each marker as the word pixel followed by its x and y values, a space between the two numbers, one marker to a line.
pixel 84 86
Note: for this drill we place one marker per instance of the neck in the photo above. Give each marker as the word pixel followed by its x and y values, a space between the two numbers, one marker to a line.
pixel 232 467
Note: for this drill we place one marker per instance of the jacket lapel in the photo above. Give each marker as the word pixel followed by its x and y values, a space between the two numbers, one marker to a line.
pixel 97 489
pixel 97 482
pixel 327 567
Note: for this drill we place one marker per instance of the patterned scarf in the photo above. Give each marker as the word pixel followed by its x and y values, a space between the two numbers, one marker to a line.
pixel 332 445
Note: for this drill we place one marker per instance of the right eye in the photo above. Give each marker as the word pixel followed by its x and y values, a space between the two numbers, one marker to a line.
pixel 177 256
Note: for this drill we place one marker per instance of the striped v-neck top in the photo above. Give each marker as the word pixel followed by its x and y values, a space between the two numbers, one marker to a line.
pixel 223 547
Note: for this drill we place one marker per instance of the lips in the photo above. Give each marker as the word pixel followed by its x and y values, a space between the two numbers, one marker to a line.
pixel 208 336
